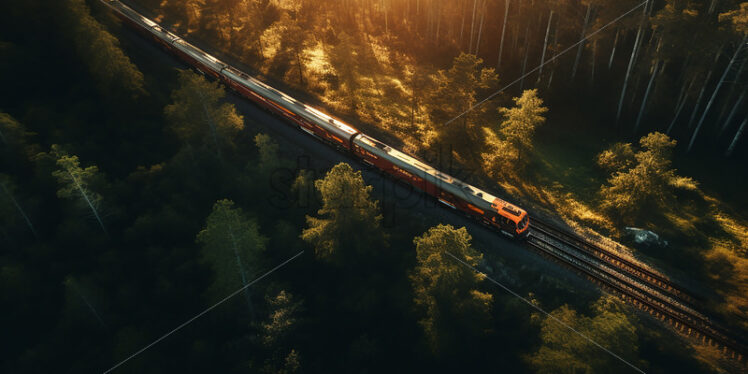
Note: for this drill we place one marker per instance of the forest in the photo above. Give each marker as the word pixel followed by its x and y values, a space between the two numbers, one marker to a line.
pixel 124 215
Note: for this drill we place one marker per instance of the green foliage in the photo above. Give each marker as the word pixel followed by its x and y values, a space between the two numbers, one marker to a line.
pixel 646 184
pixel 232 245
pixel 198 117
pixel 509 147
pixel 12 133
pixel 445 290
pixel 293 41
pixel 303 188
pixel 455 92
pixel 344 57
pixel 620 156
pixel 281 319
pixel 10 208
pixel 737 18
pixel 563 351
pixel 101 51
pixel 75 182
pixel 268 149
pixel 349 220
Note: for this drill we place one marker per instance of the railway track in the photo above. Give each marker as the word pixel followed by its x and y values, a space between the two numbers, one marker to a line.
pixel 610 257
pixel 645 289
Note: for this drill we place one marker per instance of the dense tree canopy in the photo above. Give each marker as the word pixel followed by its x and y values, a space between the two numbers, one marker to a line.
pixel 456 92
pixel 198 116
pixel 101 50
pixel 348 224
pixel 564 351
pixel 646 183
pixel 509 147
pixel 76 299
pixel 75 182
pixel 232 245
pixel 446 290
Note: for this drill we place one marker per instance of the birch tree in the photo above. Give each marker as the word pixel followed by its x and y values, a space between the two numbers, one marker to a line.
pixel 634 51
pixel 9 203
pixel 584 40
pixel 232 245
pixel 739 21
pixel 735 139
pixel 198 115
pixel 75 182
pixel 503 32
pixel 446 291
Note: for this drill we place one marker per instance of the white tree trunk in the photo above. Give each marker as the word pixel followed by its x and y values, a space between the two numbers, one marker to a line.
pixel 703 89
pixel 646 96
pixel 503 32
pixel 592 63
pixel 735 107
pixel 680 106
pixel 88 201
pixel 88 304
pixel 524 62
pixel 613 51
pixel 18 207
pixel 545 46
pixel 480 28
pixel 716 91
pixel 472 26
pixel 584 41
pixel 712 6
pixel 631 63
pixel 732 89
pixel 462 24
pixel 731 148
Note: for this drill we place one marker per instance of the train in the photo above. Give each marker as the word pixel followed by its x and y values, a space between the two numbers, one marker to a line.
pixel 490 210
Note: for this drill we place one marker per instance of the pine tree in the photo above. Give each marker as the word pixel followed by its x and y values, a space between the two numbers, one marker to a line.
pixel 348 224
pixel 563 350
pixel 101 51
pixel 647 183
pixel 198 116
pixel 445 291
pixel 454 95
pixel 512 142
pixel 232 245
pixel 75 182
pixel 9 203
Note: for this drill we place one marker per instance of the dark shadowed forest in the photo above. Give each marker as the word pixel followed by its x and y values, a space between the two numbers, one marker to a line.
pixel 135 193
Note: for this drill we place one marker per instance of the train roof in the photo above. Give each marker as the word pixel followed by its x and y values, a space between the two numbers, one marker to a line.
pixel 311 114
pixel 472 194
pixel 139 18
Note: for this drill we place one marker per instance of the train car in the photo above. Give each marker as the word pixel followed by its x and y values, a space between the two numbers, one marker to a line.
pixel 142 24
pixel 308 118
pixel 452 192
pixel 508 218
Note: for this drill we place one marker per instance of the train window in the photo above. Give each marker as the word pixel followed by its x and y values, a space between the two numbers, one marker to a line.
pixel 511 210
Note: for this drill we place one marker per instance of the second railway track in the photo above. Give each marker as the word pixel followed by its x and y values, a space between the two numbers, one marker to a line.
pixel 645 289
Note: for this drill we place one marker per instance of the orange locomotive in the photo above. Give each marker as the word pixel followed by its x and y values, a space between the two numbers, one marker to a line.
pixel 490 210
